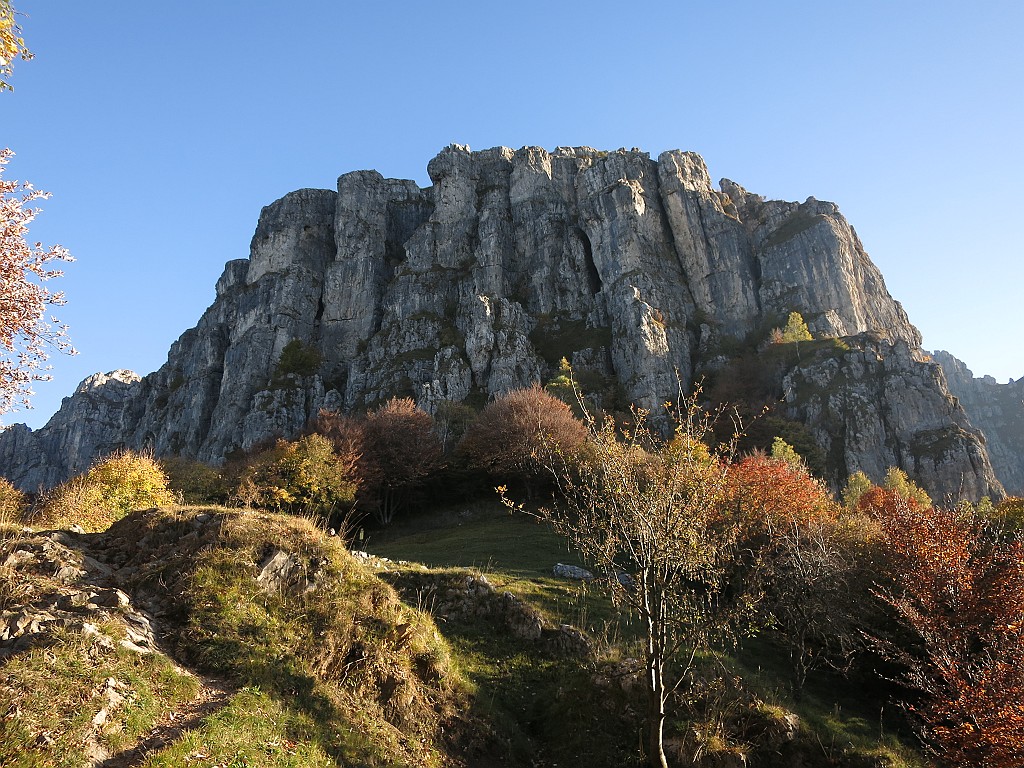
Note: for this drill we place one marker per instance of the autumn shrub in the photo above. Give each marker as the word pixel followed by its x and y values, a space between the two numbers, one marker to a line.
pixel 1008 515
pixel 806 552
pixel 959 591
pixel 195 482
pixel 345 433
pixel 12 504
pixel 303 476
pixel 401 451
pixel 857 484
pixel 897 481
pixel 114 486
pixel 516 433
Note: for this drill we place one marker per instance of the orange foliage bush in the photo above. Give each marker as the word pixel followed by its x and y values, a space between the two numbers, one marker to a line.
pixel 806 557
pixel 960 589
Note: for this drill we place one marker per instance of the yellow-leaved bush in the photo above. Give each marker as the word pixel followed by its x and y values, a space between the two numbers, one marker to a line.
pixel 114 486
pixel 12 502
pixel 304 476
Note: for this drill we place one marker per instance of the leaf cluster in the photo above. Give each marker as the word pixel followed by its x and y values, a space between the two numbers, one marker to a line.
pixel 12 44
pixel 27 334
pixel 122 482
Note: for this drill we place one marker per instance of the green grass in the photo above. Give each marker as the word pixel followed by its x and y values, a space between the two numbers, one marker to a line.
pixel 346 674
pixel 541 707
pixel 545 708
pixel 335 668
pixel 60 689
pixel 252 730
pixel 514 551
pixel 840 721
pixel 336 649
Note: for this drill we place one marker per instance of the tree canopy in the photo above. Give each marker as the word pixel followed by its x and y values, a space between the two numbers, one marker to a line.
pixel 27 334
pixel 12 44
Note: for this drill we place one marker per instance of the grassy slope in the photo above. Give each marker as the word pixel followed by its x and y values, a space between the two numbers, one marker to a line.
pixel 542 706
pixel 328 667
pixel 332 668
pixel 517 554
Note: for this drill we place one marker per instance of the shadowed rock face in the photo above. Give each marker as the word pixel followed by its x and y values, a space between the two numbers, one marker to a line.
pixel 511 260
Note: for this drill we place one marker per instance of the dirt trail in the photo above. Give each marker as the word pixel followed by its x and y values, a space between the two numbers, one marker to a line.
pixel 213 696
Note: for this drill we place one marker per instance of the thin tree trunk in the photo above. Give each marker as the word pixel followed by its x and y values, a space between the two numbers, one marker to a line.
pixel 656 730
pixel 655 680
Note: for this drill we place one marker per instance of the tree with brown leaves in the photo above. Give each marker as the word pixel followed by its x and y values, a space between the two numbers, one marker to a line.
pixel 514 436
pixel 400 450
pixel 958 585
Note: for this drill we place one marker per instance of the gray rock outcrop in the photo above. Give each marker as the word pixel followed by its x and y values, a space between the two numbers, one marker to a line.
pixel 879 405
pixel 998 411
pixel 92 422
pixel 636 269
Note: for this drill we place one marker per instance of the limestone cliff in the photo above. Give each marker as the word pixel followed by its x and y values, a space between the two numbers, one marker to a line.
pixel 635 269
pixel 998 411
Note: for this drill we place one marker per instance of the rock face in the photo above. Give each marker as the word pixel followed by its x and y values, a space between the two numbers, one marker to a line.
pixel 635 269
pixel 92 422
pixel 998 411
pixel 879 405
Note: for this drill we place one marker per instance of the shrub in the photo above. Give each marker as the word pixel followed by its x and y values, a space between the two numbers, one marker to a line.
pixel 896 480
pixel 1008 514
pixel 298 359
pixel 514 433
pixel 122 482
pixel 195 482
pixel 12 503
pixel 959 590
pixel 400 451
pixel 857 484
pixel 304 476
pixel 795 330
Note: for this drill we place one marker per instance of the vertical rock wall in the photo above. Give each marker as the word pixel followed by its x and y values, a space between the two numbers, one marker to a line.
pixel 629 267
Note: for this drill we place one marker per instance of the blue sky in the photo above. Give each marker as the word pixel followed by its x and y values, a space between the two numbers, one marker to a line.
pixel 162 128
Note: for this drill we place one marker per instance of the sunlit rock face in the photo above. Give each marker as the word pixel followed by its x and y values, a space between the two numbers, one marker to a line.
pixel 998 411
pixel 635 269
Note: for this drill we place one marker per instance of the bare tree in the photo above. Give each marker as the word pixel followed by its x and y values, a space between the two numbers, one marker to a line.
pixel 649 512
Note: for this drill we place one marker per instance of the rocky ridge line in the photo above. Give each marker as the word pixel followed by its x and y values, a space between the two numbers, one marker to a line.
pixel 632 268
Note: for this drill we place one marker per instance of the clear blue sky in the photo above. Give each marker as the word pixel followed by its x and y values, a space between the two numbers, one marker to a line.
pixel 162 128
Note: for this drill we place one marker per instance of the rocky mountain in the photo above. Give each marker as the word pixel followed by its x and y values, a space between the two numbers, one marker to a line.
pixel 638 271
pixel 998 411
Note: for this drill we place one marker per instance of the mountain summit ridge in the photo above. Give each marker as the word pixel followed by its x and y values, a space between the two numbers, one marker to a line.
pixel 633 269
